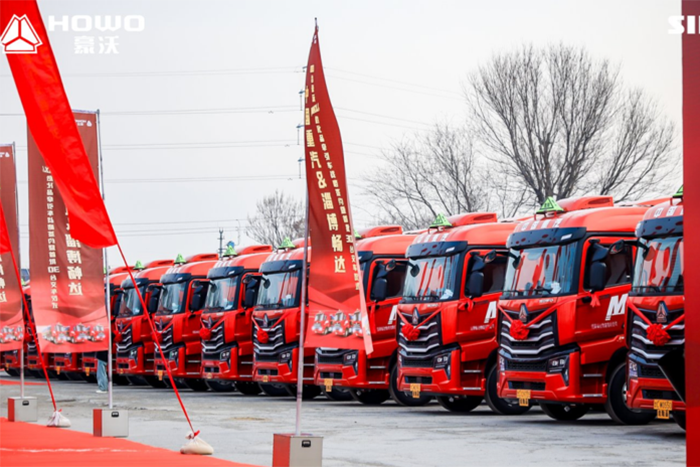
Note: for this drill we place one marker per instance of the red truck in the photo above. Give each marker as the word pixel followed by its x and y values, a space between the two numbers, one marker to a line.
pixel 276 320
pixel 227 346
pixel 88 359
pixel 563 309
pixel 132 334
pixel 381 253
pixel 177 319
pixel 446 327
pixel 655 328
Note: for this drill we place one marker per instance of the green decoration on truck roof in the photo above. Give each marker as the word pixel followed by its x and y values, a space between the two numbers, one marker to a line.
pixel 357 235
pixel 138 266
pixel 550 205
pixel 679 193
pixel 286 245
pixel 230 251
pixel 180 259
pixel 440 221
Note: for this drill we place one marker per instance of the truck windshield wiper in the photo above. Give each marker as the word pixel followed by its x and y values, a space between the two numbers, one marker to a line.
pixel 540 289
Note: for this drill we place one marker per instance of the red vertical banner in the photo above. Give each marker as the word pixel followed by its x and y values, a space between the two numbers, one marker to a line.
pixel 11 322
pixel 337 308
pixel 67 276
pixel 691 202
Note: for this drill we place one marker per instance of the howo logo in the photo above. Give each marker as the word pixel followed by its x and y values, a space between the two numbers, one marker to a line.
pixel 617 306
pixel 19 37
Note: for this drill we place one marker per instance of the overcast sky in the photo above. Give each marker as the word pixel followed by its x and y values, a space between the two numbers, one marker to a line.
pixel 393 68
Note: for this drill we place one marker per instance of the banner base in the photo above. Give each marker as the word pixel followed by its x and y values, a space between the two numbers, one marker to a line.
pixel 290 450
pixel 110 423
pixel 22 409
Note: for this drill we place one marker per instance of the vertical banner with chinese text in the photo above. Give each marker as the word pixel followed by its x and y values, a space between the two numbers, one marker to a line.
pixel 337 308
pixel 67 277
pixel 11 322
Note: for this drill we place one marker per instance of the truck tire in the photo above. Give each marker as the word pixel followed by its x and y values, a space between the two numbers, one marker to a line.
pixel 196 384
pixel 136 380
pixel 615 405
pixel 337 394
pixel 308 392
pixel 679 418
pixel 274 390
pixel 400 397
pixel 565 412
pixel 498 405
pixel 154 382
pixel 221 385
pixel 248 388
pixel 370 396
pixel 459 404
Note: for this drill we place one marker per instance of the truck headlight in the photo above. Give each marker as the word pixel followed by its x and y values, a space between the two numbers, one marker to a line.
pixel 134 354
pixel 633 369
pixel 501 363
pixel 557 364
pixel 225 355
pixel 285 357
pixel 173 355
pixel 349 358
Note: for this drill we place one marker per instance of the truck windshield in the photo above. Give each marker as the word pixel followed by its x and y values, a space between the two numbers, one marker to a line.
pixel 172 298
pixel 130 304
pixel 660 268
pixel 431 279
pixel 279 289
pixel 547 270
pixel 222 294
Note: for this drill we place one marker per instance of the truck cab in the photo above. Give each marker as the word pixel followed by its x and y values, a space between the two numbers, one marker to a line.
pixel 227 346
pixel 381 252
pixel 177 319
pixel 563 310
pixel 132 335
pixel 446 327
pixel 276 321
pixel 657 305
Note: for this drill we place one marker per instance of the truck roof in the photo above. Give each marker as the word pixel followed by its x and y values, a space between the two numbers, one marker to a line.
pixel 394 245
pixel 492 233
pixel 196 265
pixel 251 261
pixel 151 274
pixel 670 207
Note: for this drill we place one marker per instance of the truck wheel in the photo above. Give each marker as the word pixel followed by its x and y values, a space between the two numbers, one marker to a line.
pixel 274 390
pixel 402 398
pixel 498 405
pixel 154 382
pixel 615 404
pixel 136 380
pixel 460 404
pixel 196 384
pixel 120 380
pixel 565 412
pixel 679 418
pixel 337 394
pixel 370 396
pixel 248 388
pixel 309 392
pixel 221 385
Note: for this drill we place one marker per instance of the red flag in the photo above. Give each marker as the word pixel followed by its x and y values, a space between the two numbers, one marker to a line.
pixel 50 120
pixel 5 245
pixel 337 308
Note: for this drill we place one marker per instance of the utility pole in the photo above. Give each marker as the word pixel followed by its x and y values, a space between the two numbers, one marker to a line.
pixel 221 243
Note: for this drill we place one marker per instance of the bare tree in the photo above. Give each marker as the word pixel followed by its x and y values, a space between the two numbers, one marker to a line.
pixel 277 216
pixel 558 123
pixel 424 176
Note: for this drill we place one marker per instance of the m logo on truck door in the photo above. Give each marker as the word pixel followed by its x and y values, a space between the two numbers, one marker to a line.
pixel 617 306
pixel 491 312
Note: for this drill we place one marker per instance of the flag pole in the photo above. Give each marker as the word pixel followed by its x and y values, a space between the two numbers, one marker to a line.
pixel 105 262
pixel 302 325
pixel 21 290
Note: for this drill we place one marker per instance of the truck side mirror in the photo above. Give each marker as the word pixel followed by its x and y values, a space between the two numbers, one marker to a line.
pixel 154 298
pixel 252 285
pixel 379 288
pixel 475 284
pixel 596 276
pixel 199 294
pixel 617 247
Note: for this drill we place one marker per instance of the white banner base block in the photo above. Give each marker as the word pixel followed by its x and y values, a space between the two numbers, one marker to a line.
pixel 110 423
pixel 22 409
pixel 297 451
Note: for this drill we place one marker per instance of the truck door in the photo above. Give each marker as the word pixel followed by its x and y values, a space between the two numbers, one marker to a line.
pixel 382 310
pixel 480 321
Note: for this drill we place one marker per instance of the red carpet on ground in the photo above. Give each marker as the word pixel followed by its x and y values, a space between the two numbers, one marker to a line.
pixel 4 382
pixel 27 444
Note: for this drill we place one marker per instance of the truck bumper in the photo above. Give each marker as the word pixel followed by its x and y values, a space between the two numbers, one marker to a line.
pixel 447 375
pixel 642 392
pixel 284 370
pixel 66 362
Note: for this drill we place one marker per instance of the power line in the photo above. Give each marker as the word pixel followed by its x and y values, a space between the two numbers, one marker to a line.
pixel 219 72
pixel 394 81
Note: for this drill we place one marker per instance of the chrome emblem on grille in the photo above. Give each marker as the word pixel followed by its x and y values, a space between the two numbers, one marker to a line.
pixel 523 313
pixel 662 313
pixel 266 321
pixel 416 317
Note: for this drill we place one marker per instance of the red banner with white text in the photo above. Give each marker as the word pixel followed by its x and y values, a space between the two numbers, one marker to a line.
pixel 67 276
pixel 337 308
pixel 11 321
